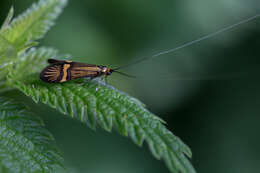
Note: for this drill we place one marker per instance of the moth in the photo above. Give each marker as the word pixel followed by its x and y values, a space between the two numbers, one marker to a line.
pixel 59 71
pixel 62 70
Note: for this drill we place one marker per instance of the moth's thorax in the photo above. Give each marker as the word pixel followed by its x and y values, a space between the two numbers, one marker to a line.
pixel 106 70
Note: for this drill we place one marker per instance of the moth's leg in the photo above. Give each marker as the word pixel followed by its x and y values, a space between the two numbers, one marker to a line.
pixel 91 78
pixel 85 80
pixel 106 80
pixel 102 78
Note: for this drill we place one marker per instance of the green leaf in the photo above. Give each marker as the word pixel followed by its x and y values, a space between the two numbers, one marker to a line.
pixel 8 19
pixel 33 23
pixel 25 146
pixel 7 52
pixel 96 103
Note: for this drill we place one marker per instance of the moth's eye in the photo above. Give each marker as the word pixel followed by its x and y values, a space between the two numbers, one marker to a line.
pixel 109 73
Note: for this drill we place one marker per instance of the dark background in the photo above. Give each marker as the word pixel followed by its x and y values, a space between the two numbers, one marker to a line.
pixel 208 92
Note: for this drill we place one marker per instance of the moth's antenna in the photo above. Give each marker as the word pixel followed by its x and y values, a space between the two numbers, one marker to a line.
pixel 192 42
pixel 124 74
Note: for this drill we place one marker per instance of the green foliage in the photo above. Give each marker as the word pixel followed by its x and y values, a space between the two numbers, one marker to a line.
pixel 33 23
pixel 8 19
pixel 21 33
pixel 25 146
pixel 7 52
pixel 92 102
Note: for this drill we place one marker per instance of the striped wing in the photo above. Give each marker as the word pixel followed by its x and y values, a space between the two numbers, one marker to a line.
pixel 84 71
pixel 52 73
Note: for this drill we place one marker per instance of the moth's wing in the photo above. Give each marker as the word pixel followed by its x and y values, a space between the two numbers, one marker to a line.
pixel 79 70
pixel 79 64
pixel 55 61
pixel 52 73
pixel 62 71
pixel 75 74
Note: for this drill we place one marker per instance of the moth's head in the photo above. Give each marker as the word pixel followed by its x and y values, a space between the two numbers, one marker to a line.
pixel 109 72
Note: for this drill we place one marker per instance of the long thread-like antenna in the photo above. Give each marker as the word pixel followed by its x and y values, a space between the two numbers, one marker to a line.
pixel 124 74
pixel 191 42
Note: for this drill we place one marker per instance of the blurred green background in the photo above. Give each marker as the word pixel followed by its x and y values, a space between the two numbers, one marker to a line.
pixel 209 93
